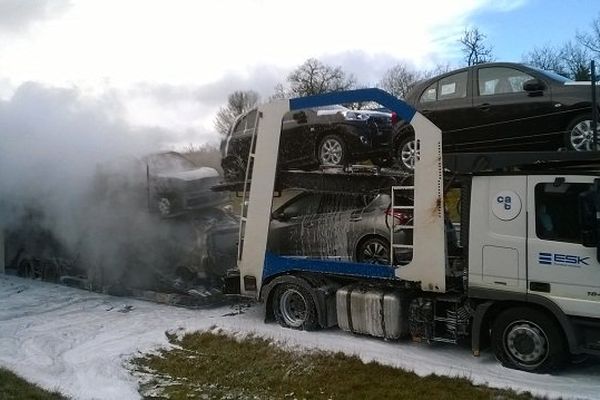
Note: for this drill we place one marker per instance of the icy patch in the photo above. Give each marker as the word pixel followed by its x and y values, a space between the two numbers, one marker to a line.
pixel 79 343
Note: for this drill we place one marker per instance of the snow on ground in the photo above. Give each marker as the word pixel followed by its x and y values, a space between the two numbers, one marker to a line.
pixel 79 342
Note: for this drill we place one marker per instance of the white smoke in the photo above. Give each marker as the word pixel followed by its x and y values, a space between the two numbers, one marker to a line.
pixel 71 165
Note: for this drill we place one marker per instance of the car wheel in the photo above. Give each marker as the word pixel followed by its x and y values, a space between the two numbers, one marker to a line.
pixel 294 307
pixel 407 153
pixel 579 135
pixel 164 206
pixel 529 340
pixel 26 269
pixel 332 151
pixel 374 250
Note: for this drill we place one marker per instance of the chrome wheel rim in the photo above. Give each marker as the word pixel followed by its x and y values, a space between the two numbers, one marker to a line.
pixel 526 343
pixel 164 206
pixel 582 136
pixel 293 308
pixel 375 252
pixel 331 152
pixel 408 154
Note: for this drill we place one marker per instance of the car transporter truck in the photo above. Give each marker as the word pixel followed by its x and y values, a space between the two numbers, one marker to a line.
pixel 523 278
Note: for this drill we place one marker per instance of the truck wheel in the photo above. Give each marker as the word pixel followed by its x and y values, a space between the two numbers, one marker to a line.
pixel 294 307
pixel 529 340
pixel 332 151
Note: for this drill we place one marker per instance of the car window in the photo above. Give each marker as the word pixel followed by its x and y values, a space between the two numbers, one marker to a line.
pixel 430 94
pixel 240 126
pixel 501 80
pixel 557 211
pixel 303 205
pixel 251 119
pixel 338 203
pixel 453 86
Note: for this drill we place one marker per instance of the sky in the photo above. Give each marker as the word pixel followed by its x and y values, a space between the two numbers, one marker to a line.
pixel 171 64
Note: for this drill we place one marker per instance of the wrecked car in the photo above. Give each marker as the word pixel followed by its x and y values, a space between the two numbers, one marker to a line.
pixel 332 136
pixel 177 185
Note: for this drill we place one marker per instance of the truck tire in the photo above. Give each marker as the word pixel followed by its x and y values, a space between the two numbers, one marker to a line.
pixel 527 339
pixel 293 307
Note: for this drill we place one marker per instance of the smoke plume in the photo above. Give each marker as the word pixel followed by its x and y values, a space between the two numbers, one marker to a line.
pixel 73 181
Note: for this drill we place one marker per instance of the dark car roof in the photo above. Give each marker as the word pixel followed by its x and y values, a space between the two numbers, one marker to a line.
pixel 413 95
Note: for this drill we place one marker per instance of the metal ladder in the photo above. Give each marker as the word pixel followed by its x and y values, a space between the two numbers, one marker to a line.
pixel 246 188
pixel 403 191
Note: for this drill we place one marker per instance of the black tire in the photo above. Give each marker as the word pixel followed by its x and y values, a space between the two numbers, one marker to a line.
pixel 527 339
pixel 406 153
pixel 579 135
pixel 26 269
pixel 293 307
pixel 373 250
pixel 332 151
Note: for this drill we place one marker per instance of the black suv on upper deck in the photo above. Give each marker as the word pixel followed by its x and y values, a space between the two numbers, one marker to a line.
pixel 327 136
pixel 500 106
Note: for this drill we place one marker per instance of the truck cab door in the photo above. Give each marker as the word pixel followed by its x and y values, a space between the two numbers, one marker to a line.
pixel 560 267
pixel 497 234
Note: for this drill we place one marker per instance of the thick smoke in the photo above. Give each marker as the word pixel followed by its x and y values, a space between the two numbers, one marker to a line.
pixel 73 183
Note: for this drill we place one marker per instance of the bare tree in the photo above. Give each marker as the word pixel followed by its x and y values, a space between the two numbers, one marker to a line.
pixel 591 40
pixel 238 102
pixel 576 59
pixel 547 58
pixel 314 77
pixel 474 47
pixel 399 79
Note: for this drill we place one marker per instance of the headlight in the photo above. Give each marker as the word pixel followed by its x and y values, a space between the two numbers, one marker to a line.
pixel 355 116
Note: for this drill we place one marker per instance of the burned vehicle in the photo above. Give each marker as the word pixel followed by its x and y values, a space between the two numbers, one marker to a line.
pixel 500 107
pixel 333 136
pixel 177 185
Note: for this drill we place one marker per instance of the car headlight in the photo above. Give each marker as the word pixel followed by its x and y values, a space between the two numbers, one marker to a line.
pixel 355 116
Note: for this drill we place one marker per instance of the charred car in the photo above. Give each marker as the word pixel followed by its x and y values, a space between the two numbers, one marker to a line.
pixel 333 136
pixel 500 106
pixel 177 185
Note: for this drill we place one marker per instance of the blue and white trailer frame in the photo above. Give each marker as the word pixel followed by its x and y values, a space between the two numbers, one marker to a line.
pixel 428 266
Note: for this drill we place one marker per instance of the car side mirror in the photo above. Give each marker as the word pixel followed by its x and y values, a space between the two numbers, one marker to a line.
pixel 280 216
pixel 533 85
pixel 300 117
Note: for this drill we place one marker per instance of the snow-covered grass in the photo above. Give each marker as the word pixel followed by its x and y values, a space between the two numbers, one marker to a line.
pixel 80 343
pixel 216 366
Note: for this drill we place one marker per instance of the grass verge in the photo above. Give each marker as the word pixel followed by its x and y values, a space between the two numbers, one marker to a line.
pixel 12 387
pixel 214 366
